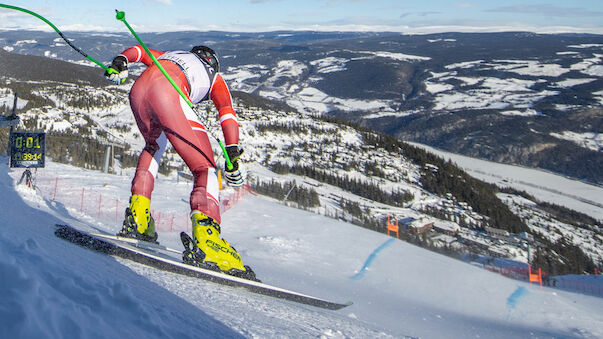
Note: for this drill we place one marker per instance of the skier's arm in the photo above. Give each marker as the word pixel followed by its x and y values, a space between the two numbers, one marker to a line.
pixel 220 95
pixel 118 71
pixel 137 54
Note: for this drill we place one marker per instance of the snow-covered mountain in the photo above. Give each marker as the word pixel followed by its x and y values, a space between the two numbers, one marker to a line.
pixel 52 288
pixel 516 97
pixel 358 175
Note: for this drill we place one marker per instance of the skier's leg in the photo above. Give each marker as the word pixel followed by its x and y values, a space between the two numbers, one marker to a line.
pixel 138 221
pixel 151 130
pixel 190 140
pixel 188 136
pixel 139 212
pixel 147 168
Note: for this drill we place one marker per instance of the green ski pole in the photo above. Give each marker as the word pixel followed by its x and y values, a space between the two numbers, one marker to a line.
pixel 121 16
pixel 107 69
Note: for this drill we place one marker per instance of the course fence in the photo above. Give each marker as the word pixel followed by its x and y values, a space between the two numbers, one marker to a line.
pixel 107 204
pixel 591 285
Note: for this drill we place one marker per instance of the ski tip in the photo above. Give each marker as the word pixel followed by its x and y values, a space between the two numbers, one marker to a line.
pixel 337 306
pixel 345 305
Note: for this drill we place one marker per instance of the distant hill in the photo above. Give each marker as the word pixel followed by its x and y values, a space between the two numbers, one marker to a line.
pixel 349 171
pixel 36 68
pixel 514 97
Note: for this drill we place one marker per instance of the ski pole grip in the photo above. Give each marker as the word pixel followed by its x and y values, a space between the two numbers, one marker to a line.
pixel 229 165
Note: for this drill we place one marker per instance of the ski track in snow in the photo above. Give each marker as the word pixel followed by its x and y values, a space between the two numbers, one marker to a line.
pixel 51 288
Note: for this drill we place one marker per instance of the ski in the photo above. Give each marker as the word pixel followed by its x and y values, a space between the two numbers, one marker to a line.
pixel 136 242
pixel 151 255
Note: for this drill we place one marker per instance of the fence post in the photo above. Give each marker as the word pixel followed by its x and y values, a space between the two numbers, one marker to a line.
pixel 82 202
pixel 56 182
pixel 100 200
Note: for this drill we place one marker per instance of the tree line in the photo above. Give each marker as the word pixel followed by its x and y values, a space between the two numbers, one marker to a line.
pixel 305 198
pixel 359 187
pixel 561 257
pixel 559 212
pixel 441 177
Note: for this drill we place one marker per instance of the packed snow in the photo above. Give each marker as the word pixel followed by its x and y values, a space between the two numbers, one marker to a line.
pixel 52 288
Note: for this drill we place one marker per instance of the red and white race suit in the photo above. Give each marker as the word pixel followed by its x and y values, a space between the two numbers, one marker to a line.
pixel 162 114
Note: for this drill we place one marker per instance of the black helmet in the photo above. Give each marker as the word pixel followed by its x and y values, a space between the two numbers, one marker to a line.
pixel 208 56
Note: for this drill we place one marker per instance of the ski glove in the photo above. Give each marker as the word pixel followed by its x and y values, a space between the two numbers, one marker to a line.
pixel 120 66
pixel 233 176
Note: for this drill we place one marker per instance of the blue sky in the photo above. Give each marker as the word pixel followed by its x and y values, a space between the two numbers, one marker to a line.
pixel 423 16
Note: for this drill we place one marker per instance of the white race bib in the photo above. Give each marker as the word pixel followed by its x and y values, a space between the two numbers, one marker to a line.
pixel 199 76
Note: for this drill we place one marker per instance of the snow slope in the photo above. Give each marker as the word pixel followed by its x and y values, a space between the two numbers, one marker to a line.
pixel 50 288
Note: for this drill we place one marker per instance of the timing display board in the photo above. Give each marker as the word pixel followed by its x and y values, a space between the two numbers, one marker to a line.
pixel 27 149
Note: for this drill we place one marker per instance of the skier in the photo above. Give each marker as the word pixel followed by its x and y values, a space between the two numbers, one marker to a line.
pixel 161 115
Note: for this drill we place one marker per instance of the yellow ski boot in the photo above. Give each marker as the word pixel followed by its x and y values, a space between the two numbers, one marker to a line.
pixel 138 221
pixel 207 250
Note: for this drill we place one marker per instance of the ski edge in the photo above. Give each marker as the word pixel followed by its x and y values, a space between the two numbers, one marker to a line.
pixel 135 242
pixel 125 250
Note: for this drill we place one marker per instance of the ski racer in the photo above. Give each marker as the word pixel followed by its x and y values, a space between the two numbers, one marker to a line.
pixel 161 115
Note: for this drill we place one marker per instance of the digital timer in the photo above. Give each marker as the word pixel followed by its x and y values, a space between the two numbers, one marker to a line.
pixel 27 149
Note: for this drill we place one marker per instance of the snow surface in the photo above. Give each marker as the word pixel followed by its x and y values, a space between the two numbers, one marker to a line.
pixel 396 56
pixel 529 67
pixel 523 113
pixel 574 82
pixel 491 93
pixel 592 141
pixel 52 289
pixel 516 92
pixel 7 99
pixel 590 66
pixel 329 64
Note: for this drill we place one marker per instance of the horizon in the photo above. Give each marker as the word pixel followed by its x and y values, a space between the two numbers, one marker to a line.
pixel 424 31
pixel 261 16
